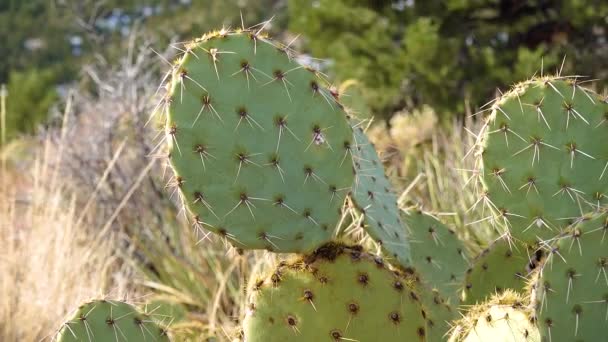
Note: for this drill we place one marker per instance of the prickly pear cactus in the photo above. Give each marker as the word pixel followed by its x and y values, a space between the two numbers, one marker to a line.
pixel 542 161
pixel 505 264
pixel 437 254
pixel 504 318
pixel 108 320
pixel 572 291
pixel 437 312
pixel 339 293
pixel 372 194
pixel 259 146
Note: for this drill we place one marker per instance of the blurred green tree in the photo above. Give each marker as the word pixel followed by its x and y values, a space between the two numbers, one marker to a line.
pixel 30 95
pixel 34 34
pixel 38 36
pixel 408 53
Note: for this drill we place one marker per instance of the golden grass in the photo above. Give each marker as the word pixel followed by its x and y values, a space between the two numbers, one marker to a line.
pixel 49 263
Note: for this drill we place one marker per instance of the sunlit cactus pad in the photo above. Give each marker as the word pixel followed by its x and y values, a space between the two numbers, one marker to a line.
pixel 337 294
pixel 504 318
pixel 111 321
pixel 437 254
pixel 572 291
pixel 505 264
pixel 544 158
pixel 258 144
pixel 372 194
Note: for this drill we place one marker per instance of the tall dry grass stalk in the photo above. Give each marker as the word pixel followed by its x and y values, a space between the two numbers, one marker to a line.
pixel 49 264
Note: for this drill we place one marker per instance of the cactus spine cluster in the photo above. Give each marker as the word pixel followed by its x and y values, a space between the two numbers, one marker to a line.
pixel 265 155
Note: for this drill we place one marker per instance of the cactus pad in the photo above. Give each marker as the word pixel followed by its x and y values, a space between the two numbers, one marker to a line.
pixel 438 314
pixel 542 160
pixel 504 318
pixel 259 146
pixel 338 293
pixel 112 321
pixel 373 196
pixel 437 254
pixel 572 291
pixel 505 264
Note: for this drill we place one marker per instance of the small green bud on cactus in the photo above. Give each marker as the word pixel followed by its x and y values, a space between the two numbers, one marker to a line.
pixel 259 146
pixel 339 293
pixel 108 320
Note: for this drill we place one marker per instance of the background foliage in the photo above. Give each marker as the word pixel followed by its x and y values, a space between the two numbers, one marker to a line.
pixel 47 43
pixel 411 52
pixel 406 53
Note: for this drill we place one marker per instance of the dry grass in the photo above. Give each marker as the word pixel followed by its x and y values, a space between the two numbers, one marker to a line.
pixel 48 262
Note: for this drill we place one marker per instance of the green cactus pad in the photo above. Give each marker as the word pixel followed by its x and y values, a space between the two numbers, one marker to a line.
pixel 259 146
pixel 504 318
pixel 544 160
pixel 373 196
pixel 111 321
pixel 337 294
pixel 572 291
pixel 438 313
pixel 437 254
pixel 505 264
